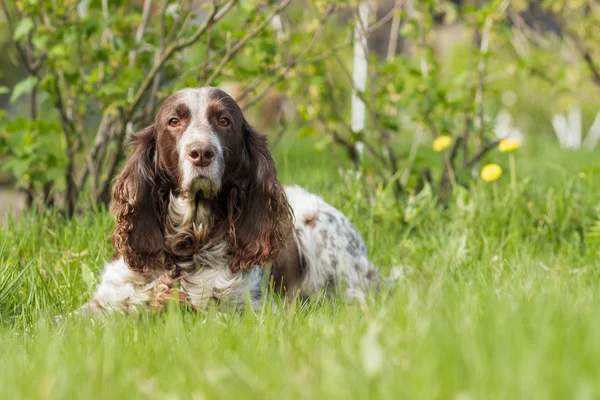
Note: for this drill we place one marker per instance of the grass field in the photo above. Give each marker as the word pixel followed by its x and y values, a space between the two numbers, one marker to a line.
pixel 498 299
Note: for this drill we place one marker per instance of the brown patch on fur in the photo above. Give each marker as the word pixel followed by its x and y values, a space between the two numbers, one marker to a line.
pixel 165 290
pixel 288 271
pixel 310 220
pixel 260 217
pixel 138 237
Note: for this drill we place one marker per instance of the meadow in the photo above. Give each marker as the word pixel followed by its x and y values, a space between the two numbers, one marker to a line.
pixel 496 298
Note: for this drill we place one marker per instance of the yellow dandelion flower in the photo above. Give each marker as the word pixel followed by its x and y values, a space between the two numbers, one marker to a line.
pixel 507 145
pixel 491 172
pixel 441 143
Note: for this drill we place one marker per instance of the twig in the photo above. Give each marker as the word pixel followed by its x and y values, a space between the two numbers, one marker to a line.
pixel 140 31
pixel 158 78
pixel 183 15
pixel 242 42
pixel 482 43
pixel 252 15
pixel 315 39
pixel 587 56
pixel 67 129
pixel 333 50
pixel 393 42
pixel 385 19
pixel 207 53
pixel 284 67
pixel 215 15
pixel 336 112
pixel 448 174
pixel 106 16
pixel 412 156
pixel 480 154
pixel 483 38
pixel 25 54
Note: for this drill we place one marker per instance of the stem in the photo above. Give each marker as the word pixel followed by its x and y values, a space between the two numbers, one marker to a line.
pixel 393 42
pixel 450 171
pixel 513 172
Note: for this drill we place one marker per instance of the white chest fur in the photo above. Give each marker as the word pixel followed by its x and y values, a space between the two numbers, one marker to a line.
pixel 207 276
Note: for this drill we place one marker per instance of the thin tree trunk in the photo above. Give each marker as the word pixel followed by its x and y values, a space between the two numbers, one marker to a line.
pixel 393 43
pixel 359 76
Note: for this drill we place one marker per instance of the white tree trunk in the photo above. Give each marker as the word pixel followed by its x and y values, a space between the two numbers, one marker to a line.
pixel 593 136
pixel 360 68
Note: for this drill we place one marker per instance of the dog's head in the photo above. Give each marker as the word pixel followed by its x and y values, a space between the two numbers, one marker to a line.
pixel 201 147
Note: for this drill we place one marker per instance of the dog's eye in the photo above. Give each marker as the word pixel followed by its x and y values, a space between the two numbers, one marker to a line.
pixel 223 122
pixel 174 122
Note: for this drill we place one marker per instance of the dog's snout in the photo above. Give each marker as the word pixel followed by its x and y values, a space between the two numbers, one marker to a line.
pixel 201 155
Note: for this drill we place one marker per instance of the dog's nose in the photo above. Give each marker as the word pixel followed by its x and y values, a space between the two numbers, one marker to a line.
pixel 201 155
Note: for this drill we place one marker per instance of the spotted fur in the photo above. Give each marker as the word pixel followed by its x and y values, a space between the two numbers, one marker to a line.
pixel 202 233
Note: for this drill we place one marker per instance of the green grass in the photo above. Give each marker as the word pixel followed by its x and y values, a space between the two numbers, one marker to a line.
pixel 498 299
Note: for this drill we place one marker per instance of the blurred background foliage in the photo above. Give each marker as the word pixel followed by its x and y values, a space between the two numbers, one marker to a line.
pixel 78 76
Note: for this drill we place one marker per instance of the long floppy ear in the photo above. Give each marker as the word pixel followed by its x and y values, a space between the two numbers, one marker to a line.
pixel 260 217
pixel 138 236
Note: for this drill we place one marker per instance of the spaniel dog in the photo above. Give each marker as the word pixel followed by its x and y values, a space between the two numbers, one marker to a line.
pixel 200 213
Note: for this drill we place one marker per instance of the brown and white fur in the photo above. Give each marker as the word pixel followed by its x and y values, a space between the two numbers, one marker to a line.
pixel 200 213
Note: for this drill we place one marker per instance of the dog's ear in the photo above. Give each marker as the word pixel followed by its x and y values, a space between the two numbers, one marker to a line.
pixel 260 218
pixel 138 237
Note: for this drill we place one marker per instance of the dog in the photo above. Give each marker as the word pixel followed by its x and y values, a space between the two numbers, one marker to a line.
pixel 200 213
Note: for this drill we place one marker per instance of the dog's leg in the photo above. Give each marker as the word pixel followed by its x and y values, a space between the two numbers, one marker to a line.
pixel 120 290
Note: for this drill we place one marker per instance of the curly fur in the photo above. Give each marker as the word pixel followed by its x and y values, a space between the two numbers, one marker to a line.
pixel 206 231
pixel 138 236
pixel 260 218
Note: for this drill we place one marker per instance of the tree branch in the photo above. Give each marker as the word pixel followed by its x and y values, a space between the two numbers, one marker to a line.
pixel 183 15
pixel 393 42
pixel 242 42
pixel 215 15
pixel 140 31
pixel 586 55
pixel 315 39
pixel 67 129
pixel 480 154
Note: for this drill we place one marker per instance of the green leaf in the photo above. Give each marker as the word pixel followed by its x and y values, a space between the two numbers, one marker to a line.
pixel 40 41
pixel 23 87
pixel 307 131
pixel 58 51
pixel 4 89
pixel 23 28
pixel 592 236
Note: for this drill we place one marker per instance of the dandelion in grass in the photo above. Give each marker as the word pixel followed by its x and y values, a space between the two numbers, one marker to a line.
pixel 509 145
pixel 441 143
pixel 491 172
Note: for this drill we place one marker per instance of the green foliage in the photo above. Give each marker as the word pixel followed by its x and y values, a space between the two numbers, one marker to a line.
pixel 23 29
pixel 99 70
pixel 34 152
pixel 23 87
pixel 453 86
pixel 593 234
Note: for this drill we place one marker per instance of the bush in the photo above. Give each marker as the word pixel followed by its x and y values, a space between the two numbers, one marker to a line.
pixel 96 72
